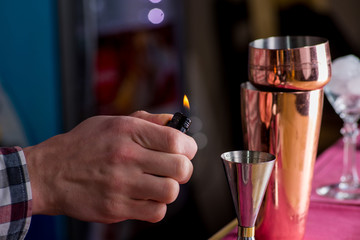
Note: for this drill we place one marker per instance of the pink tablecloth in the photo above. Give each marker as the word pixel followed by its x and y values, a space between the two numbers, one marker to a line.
pixel 328 218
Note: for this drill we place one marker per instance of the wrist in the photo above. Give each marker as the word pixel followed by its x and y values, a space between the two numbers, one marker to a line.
pixel 35 171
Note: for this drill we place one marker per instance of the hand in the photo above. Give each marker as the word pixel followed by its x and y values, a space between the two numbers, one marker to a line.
pixel 111 168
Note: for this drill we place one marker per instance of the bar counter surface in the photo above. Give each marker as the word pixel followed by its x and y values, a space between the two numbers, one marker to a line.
pixel 327 218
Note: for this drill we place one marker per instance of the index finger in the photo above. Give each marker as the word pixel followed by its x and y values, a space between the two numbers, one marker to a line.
pixel 164 139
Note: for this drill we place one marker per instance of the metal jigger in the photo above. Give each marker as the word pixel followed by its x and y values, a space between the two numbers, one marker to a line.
pixel 248 173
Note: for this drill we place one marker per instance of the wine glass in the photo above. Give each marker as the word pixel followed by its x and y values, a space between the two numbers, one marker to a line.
pixel 343 93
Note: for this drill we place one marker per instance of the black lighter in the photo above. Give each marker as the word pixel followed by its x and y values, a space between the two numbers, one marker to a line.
pixel 180 122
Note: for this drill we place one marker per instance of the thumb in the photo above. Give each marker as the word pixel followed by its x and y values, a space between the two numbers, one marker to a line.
pixel 160 119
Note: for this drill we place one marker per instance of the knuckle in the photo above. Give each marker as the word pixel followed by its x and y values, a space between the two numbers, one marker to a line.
pixel 184 169
pixel 138 113
pixel 158 214
pixel 171 190
pixel 107 209
pixel 193 149
pixel 174 140
pixel 180 143
pixel 124 154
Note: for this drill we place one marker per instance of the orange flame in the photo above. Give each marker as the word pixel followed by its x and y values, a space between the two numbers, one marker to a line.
pixel 186 102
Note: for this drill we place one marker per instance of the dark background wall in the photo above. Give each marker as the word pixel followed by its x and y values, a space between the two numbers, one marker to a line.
pixel 47 66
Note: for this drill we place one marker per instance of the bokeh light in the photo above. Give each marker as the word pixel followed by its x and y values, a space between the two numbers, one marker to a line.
pixel 156 15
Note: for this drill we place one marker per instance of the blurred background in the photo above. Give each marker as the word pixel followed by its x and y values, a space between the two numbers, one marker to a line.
pixel 63 61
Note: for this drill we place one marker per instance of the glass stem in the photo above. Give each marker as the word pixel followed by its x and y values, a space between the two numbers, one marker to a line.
pixel 349 175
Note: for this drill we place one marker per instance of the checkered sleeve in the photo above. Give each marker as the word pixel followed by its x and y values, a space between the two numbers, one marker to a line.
pixel 15 194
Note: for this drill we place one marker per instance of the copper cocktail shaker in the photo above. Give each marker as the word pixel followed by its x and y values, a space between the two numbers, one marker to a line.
pixel 281 111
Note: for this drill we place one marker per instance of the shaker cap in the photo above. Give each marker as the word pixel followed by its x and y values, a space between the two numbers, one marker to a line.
pixel 290 62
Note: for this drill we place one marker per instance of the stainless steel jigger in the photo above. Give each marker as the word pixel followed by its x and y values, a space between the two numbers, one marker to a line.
pixel 248 173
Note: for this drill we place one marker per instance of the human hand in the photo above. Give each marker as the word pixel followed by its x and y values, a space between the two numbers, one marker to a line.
pixel 111 168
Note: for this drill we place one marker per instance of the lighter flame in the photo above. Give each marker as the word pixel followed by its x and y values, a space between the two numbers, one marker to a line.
pixel 186 102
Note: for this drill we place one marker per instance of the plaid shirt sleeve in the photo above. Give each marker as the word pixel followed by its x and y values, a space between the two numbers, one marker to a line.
pixel 15 194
